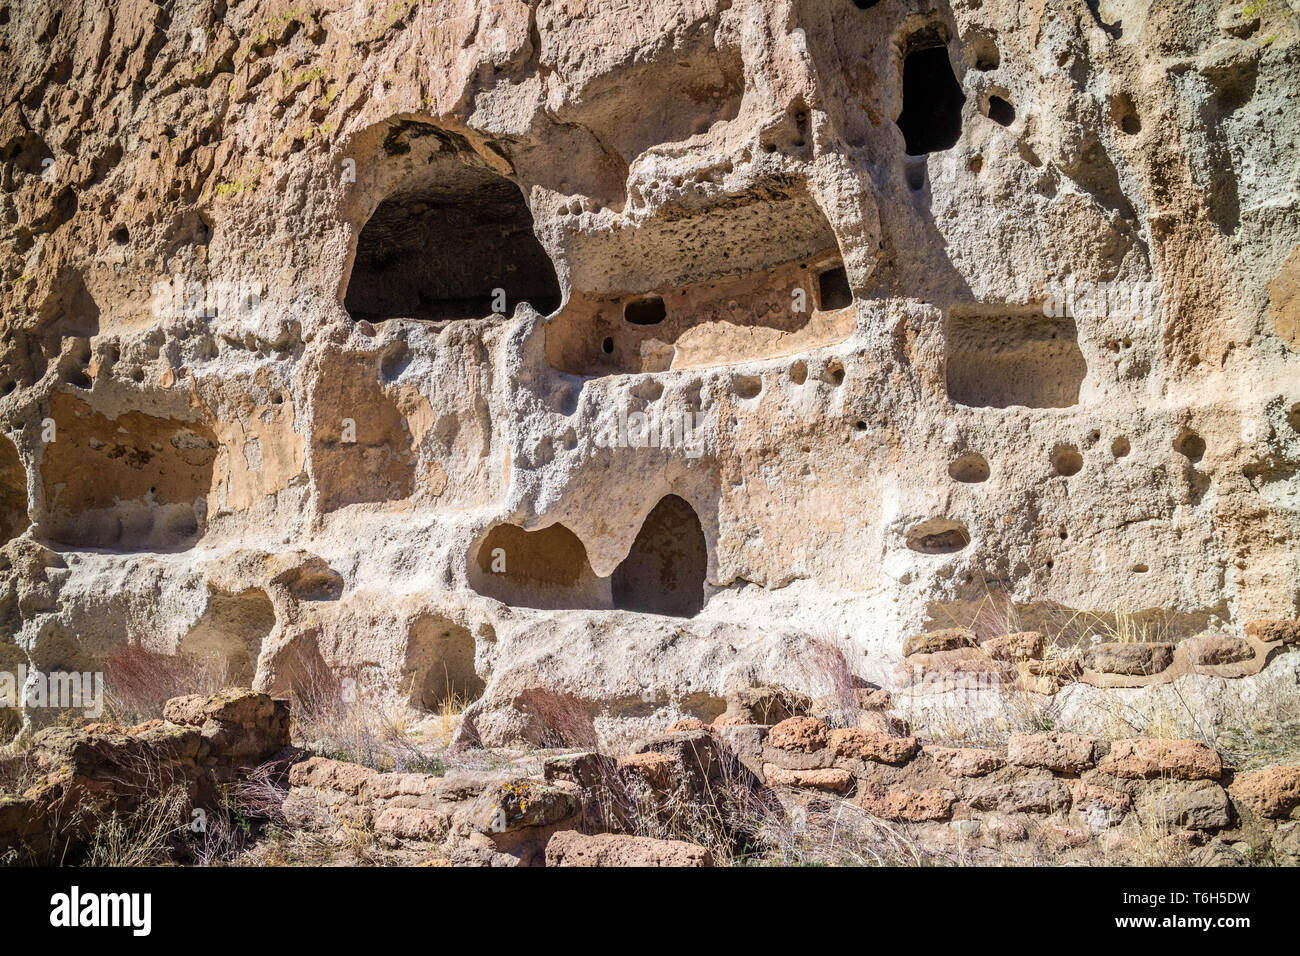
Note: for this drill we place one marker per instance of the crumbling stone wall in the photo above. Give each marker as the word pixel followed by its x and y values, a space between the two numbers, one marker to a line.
pixel 86 775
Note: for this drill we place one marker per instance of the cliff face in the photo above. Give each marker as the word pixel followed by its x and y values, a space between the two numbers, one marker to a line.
pixel 633 349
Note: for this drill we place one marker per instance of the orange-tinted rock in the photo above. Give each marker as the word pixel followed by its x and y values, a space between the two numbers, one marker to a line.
pixel 723 720
pixel 687 724
pixel 860 744
pixel 1288 632
pixel 1141 758
pixel 830 779
pixel 905 804
pixel 806 734
pixel 1274 792
pixel 965 761
pixel 1020 646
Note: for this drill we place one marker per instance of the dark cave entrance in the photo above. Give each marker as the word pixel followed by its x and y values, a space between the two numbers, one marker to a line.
pixel 833 289
pixel 439 248
pixel 664 572
pixel 932 101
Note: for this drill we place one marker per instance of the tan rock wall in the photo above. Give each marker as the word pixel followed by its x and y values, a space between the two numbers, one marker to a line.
pixel 259 247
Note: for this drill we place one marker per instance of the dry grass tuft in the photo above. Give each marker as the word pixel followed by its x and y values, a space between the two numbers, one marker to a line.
pixel 557 719
pixel 832 677
pixel 143 836
pixel 834 833
pixel 338 718
pixel 137 682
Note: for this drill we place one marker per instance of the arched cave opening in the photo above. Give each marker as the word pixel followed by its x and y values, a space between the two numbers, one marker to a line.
pixel 442 245
pixel 932 101
pixel 664 571
pixel 547 568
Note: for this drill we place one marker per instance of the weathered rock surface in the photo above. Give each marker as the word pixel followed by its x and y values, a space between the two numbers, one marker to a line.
pixel 855 744
pixel 571 848
pixel 634 352
pixel 1217 649
pixel 1195 806
pixel 1144 758
pixel 1020 646
pixel 1060 752
pixel 1130 659
pixel 902 803
pixel 1274 792
pixel 965 761
pixel 805 734
pixel 831 779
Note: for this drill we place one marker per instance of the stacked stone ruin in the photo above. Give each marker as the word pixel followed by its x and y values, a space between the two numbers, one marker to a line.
pixel 473 350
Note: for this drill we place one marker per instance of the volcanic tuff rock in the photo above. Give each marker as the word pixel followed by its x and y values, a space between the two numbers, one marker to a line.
pixel 633 351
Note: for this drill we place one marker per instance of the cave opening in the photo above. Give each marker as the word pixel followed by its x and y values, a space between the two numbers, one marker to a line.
pixel 664 571
pixel 648 311
pixel 231 632
pixel 833 289
pixel 439 670
pixel 455 241
pixel 547 568
pixel 932 101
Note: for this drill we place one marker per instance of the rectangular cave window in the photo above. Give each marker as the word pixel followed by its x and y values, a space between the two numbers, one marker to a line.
pixel 1000 356
pixel 647 311
pixel 833 290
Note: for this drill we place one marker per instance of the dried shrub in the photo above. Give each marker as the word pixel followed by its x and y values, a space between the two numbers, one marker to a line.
pixel 557 719
pixel 137 682
pixel 337 717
